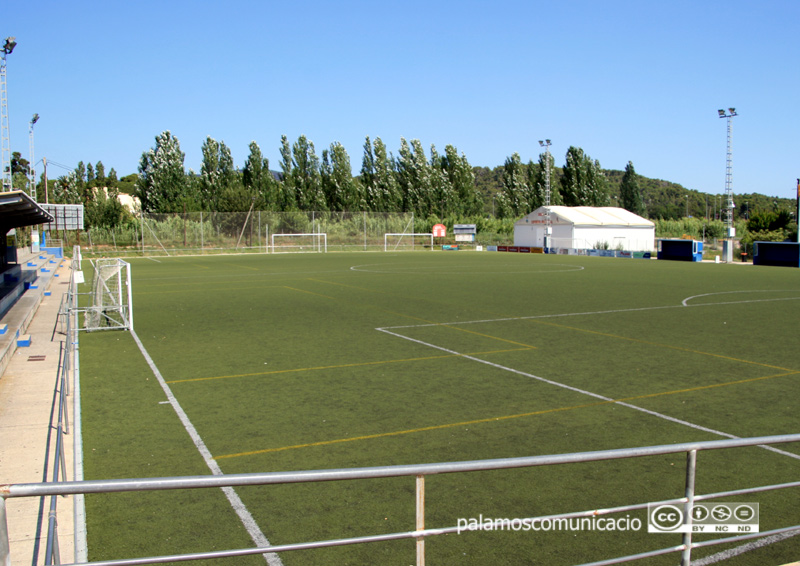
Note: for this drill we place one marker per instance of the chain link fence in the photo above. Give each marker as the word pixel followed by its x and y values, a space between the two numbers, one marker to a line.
pixel 242 232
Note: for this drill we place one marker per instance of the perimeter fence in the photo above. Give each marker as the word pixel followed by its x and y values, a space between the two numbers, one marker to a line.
pixel 244 232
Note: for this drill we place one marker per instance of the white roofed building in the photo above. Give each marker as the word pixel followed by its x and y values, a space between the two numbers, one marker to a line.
pixel 586 228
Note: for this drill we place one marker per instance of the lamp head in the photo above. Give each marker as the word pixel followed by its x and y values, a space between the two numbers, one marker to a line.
pixel 721 113
pixel 34 119
pixel 9 45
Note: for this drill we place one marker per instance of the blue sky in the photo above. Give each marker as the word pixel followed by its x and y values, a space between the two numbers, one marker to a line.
pixel 636 81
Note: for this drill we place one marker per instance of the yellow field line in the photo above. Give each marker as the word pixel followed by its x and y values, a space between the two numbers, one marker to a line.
pixel 679 348
pixel 339 366
pixel 503 418
pixel 310 293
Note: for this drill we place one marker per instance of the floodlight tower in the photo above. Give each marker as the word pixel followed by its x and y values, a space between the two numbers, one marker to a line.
pixel 730 231
pixel 548 228
pixel 8 47
pixel 32 184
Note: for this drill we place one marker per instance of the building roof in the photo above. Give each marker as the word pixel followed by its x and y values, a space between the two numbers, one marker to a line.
pixel 17 209
pixel 587 216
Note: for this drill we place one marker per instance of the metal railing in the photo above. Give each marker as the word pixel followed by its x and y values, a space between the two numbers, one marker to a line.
pixel 419 472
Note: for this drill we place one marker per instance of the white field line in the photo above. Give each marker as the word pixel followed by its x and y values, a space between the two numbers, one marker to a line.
pixel 589 313
pixel 583 391
pixel 730 553
pixel 238 505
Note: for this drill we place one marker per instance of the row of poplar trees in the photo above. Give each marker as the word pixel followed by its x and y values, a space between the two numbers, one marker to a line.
pixel 439 184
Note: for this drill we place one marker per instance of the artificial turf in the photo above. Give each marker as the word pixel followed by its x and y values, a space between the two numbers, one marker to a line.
pixel 315 361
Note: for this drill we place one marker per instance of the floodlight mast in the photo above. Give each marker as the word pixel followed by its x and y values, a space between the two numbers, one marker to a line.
pixel 8 47
pixel 32 163
pixel 729 231
pixel 548 225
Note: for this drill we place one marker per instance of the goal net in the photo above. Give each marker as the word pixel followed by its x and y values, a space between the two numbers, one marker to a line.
pixel 110 303
pixel 407 242
pixel 295 243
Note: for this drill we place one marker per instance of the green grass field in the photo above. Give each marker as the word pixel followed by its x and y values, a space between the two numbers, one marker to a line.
pixel 316 361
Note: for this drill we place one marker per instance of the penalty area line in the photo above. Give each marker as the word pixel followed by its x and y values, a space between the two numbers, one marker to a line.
pixel 586 392
pixel 258 537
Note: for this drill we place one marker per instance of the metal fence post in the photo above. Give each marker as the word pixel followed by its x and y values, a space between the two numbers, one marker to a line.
pixel 691 468
pixel 5 552
pixel 420 526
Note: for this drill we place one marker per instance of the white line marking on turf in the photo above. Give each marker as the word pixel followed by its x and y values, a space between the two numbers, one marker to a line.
pixel 687 299
pixel 726 554
pixel 589 313
pixel 238 505
pixel 426 268
pixel 584 392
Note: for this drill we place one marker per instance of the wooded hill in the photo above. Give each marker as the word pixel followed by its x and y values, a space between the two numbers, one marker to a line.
pixel 662 199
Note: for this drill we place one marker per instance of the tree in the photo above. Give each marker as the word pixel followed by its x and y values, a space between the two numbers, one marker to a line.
pixel 368 176
pixel 100 174
pixel 305 176
pixel 340 190
pixel 462 179
pixel 442 195
pixel 583 183
pixel 161 185
pixel 630 195
pixel 385 195
pixel 258 179
pixel 216 173
pixel 511 200
pixel 287 199
pixel 414 177
pixel 66 190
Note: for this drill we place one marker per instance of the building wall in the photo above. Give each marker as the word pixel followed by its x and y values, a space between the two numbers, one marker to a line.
pixel 587 237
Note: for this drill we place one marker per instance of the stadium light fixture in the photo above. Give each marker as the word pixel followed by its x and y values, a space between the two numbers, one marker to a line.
pixel 5 140
pixel 730 231
pixel 548 227
pixel 32 164
pixel 9 45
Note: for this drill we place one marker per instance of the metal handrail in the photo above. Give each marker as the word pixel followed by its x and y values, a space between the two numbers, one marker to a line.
pixel 418 471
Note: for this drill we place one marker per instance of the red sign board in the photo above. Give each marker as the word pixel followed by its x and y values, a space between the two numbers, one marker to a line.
pixel 439 230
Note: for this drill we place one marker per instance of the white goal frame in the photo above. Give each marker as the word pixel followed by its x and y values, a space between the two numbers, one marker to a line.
pixel 319 242
pixel 412 234
pixel 111 303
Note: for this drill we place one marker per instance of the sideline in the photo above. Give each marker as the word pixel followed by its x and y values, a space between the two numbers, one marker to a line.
pixel 259 538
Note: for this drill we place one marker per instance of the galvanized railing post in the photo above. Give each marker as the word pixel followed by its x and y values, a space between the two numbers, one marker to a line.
pixel 691 469
pixel 420 526
pixel 5 551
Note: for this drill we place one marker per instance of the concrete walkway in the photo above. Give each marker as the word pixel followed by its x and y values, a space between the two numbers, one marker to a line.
pixel 26 400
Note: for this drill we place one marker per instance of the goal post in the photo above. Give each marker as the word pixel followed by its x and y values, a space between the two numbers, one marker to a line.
pixel 111 297
pixel 406 241
pixel 296 243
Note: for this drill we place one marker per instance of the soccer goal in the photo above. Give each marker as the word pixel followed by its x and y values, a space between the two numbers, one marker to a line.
pixel 296 243
pixel 111 300
pixel 407 242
